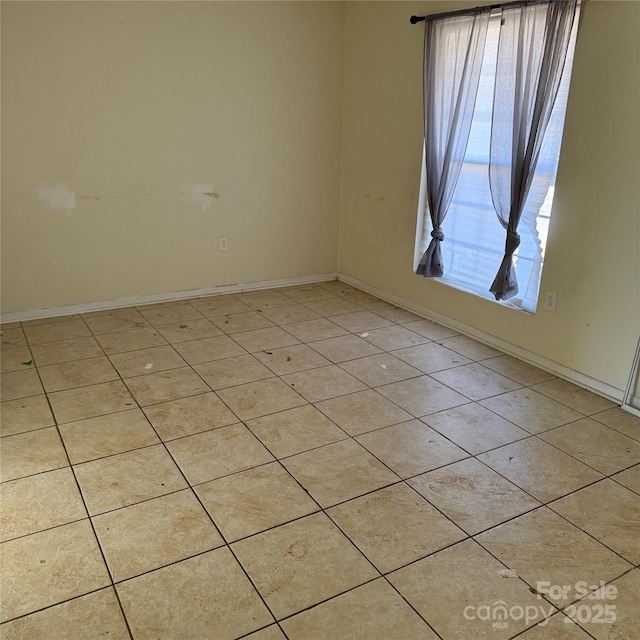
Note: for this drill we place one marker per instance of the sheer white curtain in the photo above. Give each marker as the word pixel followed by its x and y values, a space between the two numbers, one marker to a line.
pixel 475 242
pixel 532 50
pixel 453 52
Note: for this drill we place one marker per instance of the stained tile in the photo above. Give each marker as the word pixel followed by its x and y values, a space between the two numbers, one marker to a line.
pixel 57 331
pixel 397 314
pixel 219 306
pixel 394 337
pixel 166 385
pixel 213 454
pixel 39 502
pixel 558 627
pixel 187 416
pixel 48 567
pixel 475 381
pixel 130 340
pixel 25 414
pixel 79 373
pixel 410 448
pixel 373 611
pixel 542 546
pixel 107 435
pixel 469 347
pixel 302 563
pixel 345 348
pixel 66 351
pixel 188 330
pixel 268 633
pixel 466 577
pixel 629 478
pixel 20 384
pixel 209 349
pixel 430 329
pixel 169 314
pixel 12 337
pixel 230 372
pixel 32 452
pixel 181 528
pixel 10 325
pixel 332 307
pixel 620 420
pixel 381 369
pixel 289 313
pixel 260 398
pixel 237 322
pixel 116 320
pixel 517 370
pixel 431 357
pixel 291 359
pixel 472 495
pixel 361 412
pixel 338 287
pixel 96 615
pixel 120 312
pixel 474 428
pixel 361 321
pixel 87 402
pixel 263 299
pixel 573 396
pixel 16 359
pixel 311 330
pixel 307 293
pixel 338 472
pixel 598 446
pixel 295 430
pixel 622 593
pixel 144 361
pixel 365 300
pixel 127 478
pixel 531 410
pixel 323 383
pixel 421 396
pixel 190 598
pixel 607 511
pixel 394 526
pixel 254 500
pixel 540 469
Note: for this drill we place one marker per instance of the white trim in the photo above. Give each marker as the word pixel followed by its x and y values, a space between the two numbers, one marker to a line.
pixel 137 301
pixel 562 371
pixel 581 379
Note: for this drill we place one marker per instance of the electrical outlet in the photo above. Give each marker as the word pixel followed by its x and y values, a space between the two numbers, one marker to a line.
pixel 223 243
pixel 550 299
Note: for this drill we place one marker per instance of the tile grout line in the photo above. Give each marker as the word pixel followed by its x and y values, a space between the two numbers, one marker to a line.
pixel 349 436
pixel 84 504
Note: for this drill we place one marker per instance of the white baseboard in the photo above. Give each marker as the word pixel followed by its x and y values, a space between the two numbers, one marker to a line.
pixel 154 298
pixel 560 370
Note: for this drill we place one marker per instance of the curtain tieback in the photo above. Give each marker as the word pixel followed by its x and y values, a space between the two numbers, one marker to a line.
pixel 437 234
pixel 513 242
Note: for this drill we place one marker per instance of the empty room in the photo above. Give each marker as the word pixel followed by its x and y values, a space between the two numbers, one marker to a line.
pixel 320 320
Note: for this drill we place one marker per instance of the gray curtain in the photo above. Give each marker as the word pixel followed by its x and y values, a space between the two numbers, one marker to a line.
pixel 531 54
pixel 453 51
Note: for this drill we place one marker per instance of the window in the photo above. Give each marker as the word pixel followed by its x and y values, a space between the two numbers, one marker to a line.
pixel 475 240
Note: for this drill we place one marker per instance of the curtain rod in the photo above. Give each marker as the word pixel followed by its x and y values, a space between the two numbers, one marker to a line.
pixel 470 11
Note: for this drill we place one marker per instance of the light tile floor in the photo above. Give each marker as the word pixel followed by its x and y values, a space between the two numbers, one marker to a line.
pixel 306 463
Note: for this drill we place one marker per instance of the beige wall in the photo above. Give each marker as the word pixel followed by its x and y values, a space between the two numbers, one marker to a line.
pixel 124 102
pixel 593 252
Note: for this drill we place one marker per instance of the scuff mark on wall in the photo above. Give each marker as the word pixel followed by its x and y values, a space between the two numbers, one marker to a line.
pixel 57 197
pixel 201 194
